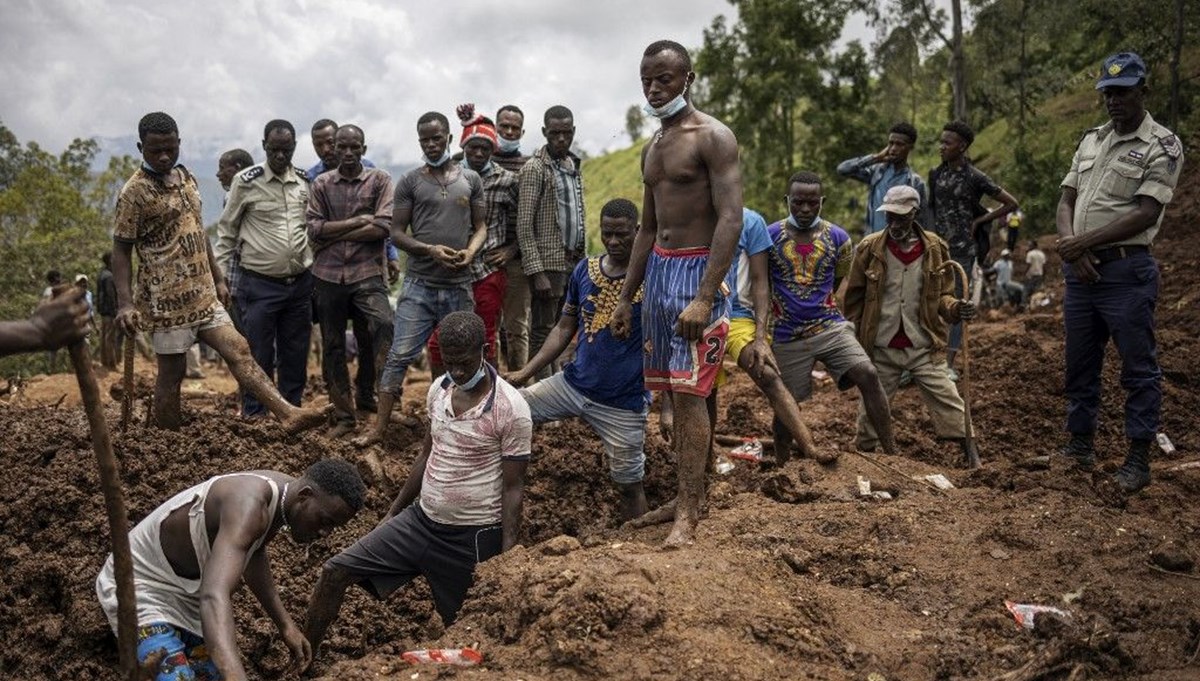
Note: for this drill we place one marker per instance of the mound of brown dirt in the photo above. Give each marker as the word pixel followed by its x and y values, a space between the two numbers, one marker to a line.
pixel 792 576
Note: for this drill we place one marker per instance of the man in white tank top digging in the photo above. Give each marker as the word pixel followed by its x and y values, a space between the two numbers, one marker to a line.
pixel 192 552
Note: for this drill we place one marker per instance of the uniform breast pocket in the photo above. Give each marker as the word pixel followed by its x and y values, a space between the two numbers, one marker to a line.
pixel 1121 180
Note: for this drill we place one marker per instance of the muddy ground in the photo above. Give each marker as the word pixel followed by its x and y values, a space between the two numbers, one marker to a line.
pixel 793 576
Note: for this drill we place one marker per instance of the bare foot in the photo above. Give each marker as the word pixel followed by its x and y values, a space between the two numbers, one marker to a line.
pixel 826 457
pixel 305 419
pixel 684 531
pixel 658 516
pixel 342 429
pixel 371 438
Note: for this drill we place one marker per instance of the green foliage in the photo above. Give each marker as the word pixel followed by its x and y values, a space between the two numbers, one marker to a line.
pixel 612 176
pixel 54 214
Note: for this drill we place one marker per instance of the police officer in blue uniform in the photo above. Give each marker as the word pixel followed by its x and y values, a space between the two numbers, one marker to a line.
pixel 1122 176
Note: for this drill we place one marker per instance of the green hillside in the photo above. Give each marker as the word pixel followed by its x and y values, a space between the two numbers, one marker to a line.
pixel 616 175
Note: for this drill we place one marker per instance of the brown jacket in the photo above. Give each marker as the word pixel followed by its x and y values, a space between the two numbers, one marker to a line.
pixel 864 294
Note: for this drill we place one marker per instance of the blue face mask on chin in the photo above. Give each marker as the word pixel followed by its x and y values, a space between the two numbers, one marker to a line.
pixel 440 162
pixel 669 109
pixel 474 380
pixel 508 146
pixel 811 225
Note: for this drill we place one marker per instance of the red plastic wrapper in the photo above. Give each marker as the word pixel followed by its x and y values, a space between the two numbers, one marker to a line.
pixel 750 450
pixel 462 657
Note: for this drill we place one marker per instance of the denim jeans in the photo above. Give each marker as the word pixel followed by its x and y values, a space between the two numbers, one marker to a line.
pixel 1119 306
pixel 418 311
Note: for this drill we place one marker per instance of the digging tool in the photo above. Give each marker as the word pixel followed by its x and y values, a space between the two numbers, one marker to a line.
pixel 114 503
pixel 965 383
pixel 127 396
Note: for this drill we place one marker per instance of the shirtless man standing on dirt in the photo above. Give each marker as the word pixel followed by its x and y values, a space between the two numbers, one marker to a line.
pixel 692 210
pixel 181 292
pixel 193 552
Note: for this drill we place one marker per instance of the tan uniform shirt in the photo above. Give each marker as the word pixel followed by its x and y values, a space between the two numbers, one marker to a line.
pixel 1110 171
pixel 264 216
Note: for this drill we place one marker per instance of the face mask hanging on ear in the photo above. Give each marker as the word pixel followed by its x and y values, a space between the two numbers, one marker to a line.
pixel 474 380
pixel 670 108
pixel 508 146
pixel 804 228
pixel 440 162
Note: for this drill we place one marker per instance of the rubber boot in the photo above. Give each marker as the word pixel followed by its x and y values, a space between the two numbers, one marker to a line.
pixel 1134 474
pixel 1081 450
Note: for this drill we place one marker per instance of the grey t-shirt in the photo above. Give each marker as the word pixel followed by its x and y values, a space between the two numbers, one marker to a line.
pixel 441 215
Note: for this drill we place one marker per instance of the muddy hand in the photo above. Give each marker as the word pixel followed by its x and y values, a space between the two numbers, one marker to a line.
pixel 694 319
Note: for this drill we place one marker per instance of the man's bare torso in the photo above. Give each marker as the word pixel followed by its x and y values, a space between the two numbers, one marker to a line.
pixel 676 173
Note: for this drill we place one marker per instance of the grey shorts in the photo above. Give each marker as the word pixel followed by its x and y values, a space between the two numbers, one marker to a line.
pixel 622 431
pixel 178 341
pixel 837 348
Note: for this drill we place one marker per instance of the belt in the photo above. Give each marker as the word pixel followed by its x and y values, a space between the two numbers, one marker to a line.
pixel 1104 255
pixel 283 281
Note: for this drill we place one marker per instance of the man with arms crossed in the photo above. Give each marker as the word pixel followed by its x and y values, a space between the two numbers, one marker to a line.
pixel 693 215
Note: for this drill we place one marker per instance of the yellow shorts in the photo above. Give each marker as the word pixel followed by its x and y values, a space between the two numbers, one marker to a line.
pixel 741 334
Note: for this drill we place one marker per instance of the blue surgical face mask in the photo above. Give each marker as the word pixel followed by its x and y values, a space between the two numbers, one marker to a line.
pixel 669 109
pixel 811 225
pixel 474 380
pixel 440 162
pixel 508 146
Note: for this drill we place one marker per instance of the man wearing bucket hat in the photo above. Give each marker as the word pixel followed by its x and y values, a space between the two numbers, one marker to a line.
pixel 1122 176
pixel 901 298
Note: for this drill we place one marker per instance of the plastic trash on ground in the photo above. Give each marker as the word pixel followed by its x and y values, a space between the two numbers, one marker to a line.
pixel 462 657
pixel 750 450
pixel 722 464
pixel 1164 443
pixel 864 490
pixel 1024 613
pixel 938 480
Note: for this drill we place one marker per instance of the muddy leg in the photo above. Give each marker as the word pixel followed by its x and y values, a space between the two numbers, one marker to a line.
pixel 167 411
pixel 378 427
pixel 232 347
pixel 692 442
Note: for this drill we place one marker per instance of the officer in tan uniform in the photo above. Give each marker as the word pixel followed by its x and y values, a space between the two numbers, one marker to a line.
pixel 264 220
pixel 1123 174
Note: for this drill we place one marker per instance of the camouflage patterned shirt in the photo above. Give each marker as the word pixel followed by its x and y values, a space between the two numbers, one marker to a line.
pixel 955 195
pixel 174 283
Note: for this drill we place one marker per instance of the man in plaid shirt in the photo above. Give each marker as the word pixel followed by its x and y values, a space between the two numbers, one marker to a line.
pixel 488 274
pixel 550 223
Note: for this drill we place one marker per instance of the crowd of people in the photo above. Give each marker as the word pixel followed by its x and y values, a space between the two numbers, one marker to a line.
pixel 495 241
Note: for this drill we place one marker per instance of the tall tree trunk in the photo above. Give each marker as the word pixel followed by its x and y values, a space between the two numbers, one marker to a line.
pixel 1175 51
pixel 1021 78
pixel 958 61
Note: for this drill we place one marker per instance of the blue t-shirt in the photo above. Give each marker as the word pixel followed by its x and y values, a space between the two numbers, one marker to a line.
pixel 605 369
pixel 754 240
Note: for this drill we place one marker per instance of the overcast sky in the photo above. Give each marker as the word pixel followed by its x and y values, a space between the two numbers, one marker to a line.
pixel 223 68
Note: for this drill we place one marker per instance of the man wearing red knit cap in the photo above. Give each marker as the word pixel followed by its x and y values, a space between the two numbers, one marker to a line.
pixel 479 142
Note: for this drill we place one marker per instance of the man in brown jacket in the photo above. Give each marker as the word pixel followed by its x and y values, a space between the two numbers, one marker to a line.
pixel 900 298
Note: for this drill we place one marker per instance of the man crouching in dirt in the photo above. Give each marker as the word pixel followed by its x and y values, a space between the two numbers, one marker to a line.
pixel 603 385
pixel 900 298
pixel 181 291
pixel 468 483
pixel 192 552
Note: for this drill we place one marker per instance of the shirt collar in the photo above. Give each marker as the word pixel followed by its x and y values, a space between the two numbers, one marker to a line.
pixel 289 176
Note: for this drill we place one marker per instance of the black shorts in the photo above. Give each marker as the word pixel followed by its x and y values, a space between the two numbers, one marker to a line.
pixel 412 544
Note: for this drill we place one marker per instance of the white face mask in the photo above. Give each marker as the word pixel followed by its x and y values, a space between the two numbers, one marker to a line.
pixel 474 380
pixel 440 162
pixel 669 109
pixel 508 146
pixel 811 225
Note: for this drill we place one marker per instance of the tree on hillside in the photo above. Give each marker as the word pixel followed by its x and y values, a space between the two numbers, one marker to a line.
pixel 54 214
pixel 635 122
pixel 760 74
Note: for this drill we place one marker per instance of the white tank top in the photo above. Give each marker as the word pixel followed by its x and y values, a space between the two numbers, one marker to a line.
pixel 162 595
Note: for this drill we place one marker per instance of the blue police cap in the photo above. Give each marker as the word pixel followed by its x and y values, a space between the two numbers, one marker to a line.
pixel 1123 69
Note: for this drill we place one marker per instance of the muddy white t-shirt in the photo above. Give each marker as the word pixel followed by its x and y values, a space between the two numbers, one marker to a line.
pixel 463 481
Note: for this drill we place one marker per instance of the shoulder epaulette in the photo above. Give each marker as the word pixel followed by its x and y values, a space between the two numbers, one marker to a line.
pixel 1086 133
pixel 253 172
pixel 1171 146
pixel 303 173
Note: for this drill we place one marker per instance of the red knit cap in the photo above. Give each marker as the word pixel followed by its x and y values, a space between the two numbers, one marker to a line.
pixel 476 126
